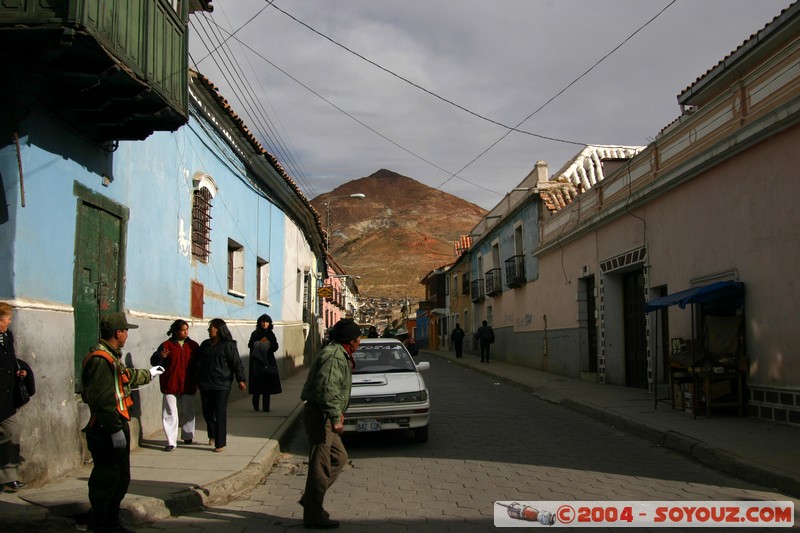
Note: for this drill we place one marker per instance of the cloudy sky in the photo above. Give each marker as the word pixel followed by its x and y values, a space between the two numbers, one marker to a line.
pixel 338 89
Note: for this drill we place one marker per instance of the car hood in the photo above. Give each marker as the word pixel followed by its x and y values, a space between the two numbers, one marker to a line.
pixel 386 383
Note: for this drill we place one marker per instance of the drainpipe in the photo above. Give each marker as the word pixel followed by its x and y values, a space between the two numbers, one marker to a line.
pixel 544 345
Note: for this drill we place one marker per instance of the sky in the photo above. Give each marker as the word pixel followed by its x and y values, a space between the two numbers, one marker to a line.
pixel 433 89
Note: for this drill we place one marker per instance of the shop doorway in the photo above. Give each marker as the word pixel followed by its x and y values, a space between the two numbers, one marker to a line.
pixel 634 329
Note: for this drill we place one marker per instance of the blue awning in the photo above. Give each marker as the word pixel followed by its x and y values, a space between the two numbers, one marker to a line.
pixel 706 293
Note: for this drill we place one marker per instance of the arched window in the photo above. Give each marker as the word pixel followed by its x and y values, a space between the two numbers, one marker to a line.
pixel 204 192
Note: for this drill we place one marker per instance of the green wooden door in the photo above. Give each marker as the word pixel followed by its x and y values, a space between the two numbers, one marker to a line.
pixel 97 276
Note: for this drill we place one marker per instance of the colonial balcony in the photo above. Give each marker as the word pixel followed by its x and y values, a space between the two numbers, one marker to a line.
pixel 494 282
pixel 515 271
pixel 476 291
pixel 110 70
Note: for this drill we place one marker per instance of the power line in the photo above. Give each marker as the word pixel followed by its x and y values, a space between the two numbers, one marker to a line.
pixel 423 89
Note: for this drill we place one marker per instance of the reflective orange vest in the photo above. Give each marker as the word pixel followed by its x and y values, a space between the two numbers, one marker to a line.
pixel 123 400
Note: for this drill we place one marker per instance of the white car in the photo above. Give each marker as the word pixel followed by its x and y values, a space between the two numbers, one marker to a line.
pixel 388 391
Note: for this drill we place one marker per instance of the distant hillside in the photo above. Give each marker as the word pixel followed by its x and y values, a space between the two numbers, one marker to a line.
pixel 402 230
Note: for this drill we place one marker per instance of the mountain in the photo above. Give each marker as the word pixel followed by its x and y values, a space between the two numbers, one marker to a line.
pixel 398 233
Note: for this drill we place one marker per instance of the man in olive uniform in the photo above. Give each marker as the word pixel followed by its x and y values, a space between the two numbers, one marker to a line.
pixel 327 395
pixel 106 390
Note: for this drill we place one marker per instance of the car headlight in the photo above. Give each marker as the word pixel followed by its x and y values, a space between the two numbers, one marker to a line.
pixel 418 396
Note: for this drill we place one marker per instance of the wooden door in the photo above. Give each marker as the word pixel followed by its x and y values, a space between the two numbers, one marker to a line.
pixel 97 276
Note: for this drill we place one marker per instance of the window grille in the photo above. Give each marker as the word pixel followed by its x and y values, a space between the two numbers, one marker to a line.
pixel 201 224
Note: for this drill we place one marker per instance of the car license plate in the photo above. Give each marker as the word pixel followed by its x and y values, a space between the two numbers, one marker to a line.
pixel 368 425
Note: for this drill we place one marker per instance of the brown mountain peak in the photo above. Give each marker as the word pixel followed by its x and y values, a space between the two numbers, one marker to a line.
pixel 398 233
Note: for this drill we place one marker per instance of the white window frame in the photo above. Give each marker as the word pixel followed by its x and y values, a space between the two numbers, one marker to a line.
pixel 235 268
pixel 262 281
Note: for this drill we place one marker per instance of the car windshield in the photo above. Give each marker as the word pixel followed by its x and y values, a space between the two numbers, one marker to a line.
pixel 390 357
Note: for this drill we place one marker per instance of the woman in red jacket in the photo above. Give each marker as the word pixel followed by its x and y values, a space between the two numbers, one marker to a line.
pixel 178 357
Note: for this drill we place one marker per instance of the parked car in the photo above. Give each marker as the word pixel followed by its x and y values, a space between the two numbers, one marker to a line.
pixel 388 390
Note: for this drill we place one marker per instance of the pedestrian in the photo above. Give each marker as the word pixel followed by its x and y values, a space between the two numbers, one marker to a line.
pixel 485 335
pixel 107 391
pixel 264 376
pixel 218 364
pixel 178 356
pixel 372 333
pixel 457 338
pixel 14 373
pixel 327 394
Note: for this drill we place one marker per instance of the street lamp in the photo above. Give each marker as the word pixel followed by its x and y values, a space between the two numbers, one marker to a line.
pixel 328 213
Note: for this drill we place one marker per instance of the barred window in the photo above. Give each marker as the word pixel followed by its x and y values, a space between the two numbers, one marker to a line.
pixel 201 224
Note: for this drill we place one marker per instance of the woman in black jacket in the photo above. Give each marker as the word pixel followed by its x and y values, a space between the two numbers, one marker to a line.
pixel 218 363
pixel 264 376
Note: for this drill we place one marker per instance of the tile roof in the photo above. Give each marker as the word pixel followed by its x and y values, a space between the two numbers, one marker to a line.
pixel 254 143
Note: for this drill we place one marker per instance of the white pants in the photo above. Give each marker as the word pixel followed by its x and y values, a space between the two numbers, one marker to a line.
pixel 178 411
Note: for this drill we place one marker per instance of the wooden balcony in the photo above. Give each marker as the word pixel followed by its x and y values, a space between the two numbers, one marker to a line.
pixel 110 70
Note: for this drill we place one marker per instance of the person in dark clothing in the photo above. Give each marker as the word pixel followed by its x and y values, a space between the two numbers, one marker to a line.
pixel 218 363
pixel 12 372
pixel 372 333
pixel 457 337
pixel 106 390
pixel 264 376
pixel 485 335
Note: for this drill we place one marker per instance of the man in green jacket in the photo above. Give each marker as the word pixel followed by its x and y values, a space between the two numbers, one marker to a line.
pixel 106 390
pixel 327 395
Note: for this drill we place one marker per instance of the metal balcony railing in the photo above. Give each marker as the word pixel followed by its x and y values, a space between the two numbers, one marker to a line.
pixel 494 282
pixel 515 271
pixel 476 291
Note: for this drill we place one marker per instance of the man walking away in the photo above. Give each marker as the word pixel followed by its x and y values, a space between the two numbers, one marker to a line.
pixel 457 337
pixel 485 336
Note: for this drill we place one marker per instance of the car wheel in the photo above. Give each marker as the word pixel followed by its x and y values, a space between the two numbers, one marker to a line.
pixel 421 434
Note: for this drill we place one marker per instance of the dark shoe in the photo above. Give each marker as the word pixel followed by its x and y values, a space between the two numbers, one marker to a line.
pixel 326 523
pixel 187 441
pixel 302 503
pixel 14 486
pixel 266 410
pixel 169 448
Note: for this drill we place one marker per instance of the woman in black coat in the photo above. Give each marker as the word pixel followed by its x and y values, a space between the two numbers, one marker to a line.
pixel 218 364
pixel 264 377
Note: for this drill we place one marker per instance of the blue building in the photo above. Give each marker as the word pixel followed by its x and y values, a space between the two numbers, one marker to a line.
pixel 195 224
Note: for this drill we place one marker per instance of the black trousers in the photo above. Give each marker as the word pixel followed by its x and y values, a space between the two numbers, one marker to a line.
pixel 215 413
pixel 459 345
pixel 264 401
pixel 485 351
pixel 110 476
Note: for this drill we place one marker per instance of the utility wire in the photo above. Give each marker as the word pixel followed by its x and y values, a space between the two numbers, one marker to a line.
pixel 559 93
pixel 251 104
pixel 423 89
pixel 367 126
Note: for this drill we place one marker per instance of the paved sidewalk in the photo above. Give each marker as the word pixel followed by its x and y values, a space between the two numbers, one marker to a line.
pixel 162 484
pixel 192 477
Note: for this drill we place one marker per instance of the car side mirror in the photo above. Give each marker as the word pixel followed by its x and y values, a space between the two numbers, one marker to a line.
pixel 424 365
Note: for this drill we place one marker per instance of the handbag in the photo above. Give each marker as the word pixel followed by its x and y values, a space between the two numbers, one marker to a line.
pixel 21 395
pixel 270 370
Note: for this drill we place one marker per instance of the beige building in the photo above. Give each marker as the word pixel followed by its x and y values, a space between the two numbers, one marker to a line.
pixel 713 198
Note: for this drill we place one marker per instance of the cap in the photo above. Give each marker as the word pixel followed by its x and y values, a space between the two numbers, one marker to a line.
pixel 116 321
pixel 345 330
